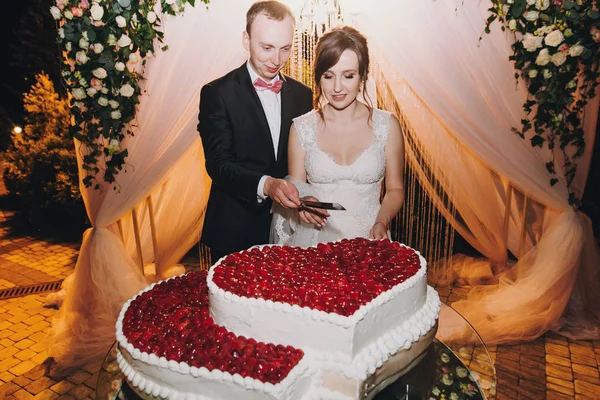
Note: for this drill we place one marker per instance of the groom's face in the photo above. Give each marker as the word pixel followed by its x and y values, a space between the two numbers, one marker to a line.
pixel 269 43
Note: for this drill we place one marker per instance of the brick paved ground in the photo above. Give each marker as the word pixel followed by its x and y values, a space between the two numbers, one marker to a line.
pixel 551 367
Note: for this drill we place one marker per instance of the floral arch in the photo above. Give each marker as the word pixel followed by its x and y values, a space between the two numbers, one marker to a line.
pixel 457 99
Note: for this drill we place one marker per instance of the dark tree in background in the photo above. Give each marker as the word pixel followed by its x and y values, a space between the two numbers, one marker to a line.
pixel 28 47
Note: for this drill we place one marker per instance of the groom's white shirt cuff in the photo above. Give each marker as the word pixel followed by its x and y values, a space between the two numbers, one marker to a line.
pixel 260 191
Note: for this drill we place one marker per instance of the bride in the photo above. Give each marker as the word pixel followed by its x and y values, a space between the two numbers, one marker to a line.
pixel 343 152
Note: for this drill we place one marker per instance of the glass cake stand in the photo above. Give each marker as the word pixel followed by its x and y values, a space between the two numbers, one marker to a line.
pixel 448 366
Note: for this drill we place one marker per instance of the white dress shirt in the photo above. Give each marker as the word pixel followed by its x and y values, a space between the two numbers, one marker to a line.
pixel 271 104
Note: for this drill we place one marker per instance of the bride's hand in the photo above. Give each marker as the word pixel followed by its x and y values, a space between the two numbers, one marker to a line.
pixel 379 231
pixel 313 216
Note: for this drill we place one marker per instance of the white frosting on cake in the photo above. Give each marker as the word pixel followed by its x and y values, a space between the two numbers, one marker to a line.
pixel 341 353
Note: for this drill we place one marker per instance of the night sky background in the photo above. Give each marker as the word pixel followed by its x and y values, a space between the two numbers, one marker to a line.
pixel 28 46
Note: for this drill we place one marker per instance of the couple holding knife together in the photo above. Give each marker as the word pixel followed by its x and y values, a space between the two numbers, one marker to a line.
pixel 278 164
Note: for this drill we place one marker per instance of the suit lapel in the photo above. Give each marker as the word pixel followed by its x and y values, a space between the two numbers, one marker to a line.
pixel 286 118
pixel 249 98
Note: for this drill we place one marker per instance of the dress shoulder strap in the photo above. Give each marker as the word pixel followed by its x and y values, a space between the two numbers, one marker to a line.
pixel 381 125
pixel 306 128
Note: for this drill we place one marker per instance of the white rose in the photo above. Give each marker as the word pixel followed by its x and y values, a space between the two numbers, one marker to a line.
pixel 55 13
pixel 116 114
pixel 104 90
pixel 576 50
pixel 461 372
pixel 151 17
pixel 559 58
pixel 547 74
pixel 78 93
pixel 113 103
pixel 170 1
pixel 98 48
pixel 84 34
pixel 453 396
pixel 531 42
pixel 97 11
pixel 111 40
pixel 572 84
pixel 568 32
pixel 119 66
pixel 134 58
pixel 531 15
pixel 83 82
pixel 533 73
pixel 543 57
pixel 121 22
pixel 81 57
pixel 113 146
pixel 84 44
pixel 68 46
pixel 124 41
pixel 512 25
pixel 510 1
pixel 99 73
pixel 542 4
pixel 554 38
pixel 91 92
pixel 61 33
pixel 68 14
pixel 531 2
pixel 126 90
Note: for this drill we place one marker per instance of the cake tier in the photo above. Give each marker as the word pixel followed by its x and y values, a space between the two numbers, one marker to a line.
pixel 170 348
pixel 393 309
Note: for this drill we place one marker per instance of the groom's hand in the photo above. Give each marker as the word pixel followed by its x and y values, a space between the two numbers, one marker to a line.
pixel 282 192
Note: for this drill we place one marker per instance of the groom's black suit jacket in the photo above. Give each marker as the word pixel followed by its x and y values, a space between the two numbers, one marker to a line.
pixel 239 150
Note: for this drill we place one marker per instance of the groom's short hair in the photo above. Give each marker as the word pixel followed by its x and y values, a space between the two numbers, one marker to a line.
pixel 273 9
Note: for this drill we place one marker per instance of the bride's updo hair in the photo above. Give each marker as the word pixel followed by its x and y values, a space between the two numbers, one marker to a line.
pixel 328 52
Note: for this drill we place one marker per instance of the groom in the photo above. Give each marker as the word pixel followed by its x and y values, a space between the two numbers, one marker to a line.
pixel 244 122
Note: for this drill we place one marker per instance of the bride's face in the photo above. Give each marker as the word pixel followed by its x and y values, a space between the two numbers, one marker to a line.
pixel 340 84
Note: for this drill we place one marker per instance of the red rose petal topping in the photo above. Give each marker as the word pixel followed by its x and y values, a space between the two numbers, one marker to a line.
pixel 172 320
pixel 335 277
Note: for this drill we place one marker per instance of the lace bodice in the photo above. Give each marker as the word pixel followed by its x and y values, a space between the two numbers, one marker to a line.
pixel 356 186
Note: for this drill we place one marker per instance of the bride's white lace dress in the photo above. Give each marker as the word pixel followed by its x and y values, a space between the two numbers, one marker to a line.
pixel 357 186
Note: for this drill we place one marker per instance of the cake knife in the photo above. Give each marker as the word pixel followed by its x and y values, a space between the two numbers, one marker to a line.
pixel 322 205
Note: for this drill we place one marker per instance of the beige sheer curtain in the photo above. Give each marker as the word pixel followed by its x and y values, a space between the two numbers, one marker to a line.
pixel 458 97
pixel 165 162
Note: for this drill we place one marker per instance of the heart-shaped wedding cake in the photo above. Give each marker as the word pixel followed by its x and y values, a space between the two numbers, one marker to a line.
pixel 326 322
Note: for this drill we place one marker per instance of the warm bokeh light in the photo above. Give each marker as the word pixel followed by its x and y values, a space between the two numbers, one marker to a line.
pixel 17 129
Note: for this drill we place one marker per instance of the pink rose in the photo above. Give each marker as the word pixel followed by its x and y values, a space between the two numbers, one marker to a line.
pixel 61 4
pixel 595 32
pixel 96 84
pixel 563 48
pixel 84 4
pixel 77 12
pixel 98 23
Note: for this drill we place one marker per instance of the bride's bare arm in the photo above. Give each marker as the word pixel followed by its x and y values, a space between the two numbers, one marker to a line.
pixel 296 157
pixel 394 181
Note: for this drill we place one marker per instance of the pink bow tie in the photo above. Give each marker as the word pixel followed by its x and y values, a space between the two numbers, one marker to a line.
pixel 274 87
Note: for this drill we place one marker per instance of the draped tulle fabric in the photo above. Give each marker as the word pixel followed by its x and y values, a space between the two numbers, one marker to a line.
pixel 459 97
pixel 165 162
